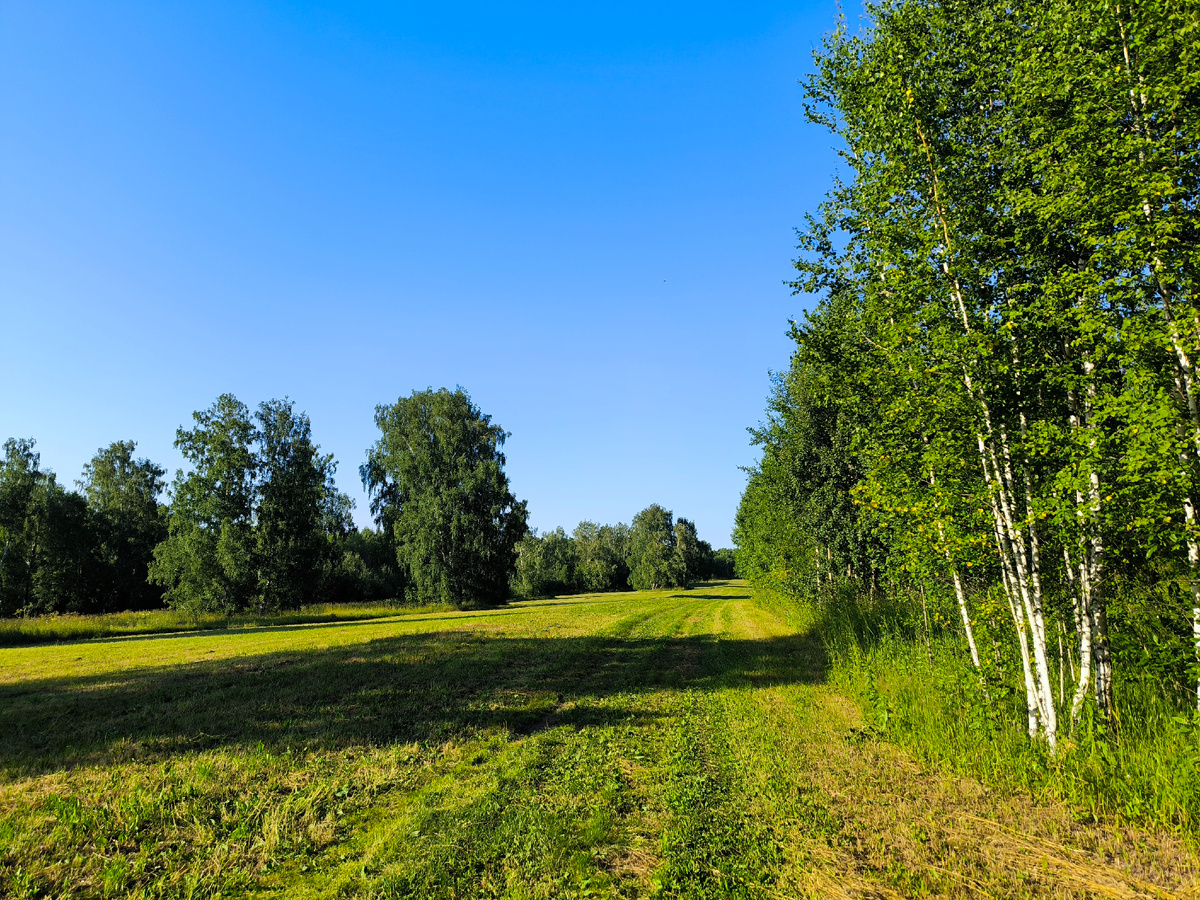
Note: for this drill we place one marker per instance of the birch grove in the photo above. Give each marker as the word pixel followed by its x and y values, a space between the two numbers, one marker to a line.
pixel 998 382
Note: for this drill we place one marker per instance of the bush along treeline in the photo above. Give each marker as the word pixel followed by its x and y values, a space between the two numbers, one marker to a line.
pixel 990 428
pixel 656 551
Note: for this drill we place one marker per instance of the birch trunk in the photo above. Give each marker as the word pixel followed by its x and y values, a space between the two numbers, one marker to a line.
pixel 959 593
pixel 1011 593
pixel 1083 628
pixel 966 616
pixel 1062 665
pixel 1028 582
pixel 1022 575
pixel 1101 649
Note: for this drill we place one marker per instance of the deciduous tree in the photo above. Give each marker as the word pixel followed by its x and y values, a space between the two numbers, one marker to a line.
pixel 437 476
pixel 207 561
pixel 122 492
pixel 653 560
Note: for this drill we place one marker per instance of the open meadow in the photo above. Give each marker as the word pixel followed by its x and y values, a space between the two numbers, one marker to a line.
pixel 671 744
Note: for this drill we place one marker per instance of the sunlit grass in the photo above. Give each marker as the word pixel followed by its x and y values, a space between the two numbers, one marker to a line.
pixel 69 627
pixel 927 696
pixel 657 744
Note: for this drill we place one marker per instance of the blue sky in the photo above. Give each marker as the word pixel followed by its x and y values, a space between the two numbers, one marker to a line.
pixel 582 214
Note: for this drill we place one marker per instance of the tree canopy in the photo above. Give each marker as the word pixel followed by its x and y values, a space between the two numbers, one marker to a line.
pixel 123 491
pixel 251 523
pixel 654 560
pixel 437 477
pixel 995 402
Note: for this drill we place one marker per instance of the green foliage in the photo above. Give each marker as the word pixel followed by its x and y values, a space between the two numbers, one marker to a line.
pixel 62 567
pixel 299 507
pixel 257 522
pixel 546 564
pixel 437 480
pixel 47 559
pixel 66 552
pixel 598 558
pixel 723 563
pixel 122 492
pixel 654 559
pixel 207 562
pixel 798 522
pixel 772 550
pixel 367 569
pixel 21 481
pixel 692 561
pixel 603 552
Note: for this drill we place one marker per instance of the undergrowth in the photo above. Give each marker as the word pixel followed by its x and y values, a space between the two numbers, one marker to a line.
pixel 917 687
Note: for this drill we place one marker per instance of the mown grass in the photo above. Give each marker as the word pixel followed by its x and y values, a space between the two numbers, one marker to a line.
pixel 666 744
pixel 72 627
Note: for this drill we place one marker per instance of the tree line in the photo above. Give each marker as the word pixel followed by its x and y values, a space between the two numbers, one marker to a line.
pixel 256 521
pixel 994 407
pixel 656 551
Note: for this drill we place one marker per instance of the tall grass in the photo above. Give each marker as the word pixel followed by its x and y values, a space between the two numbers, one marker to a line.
pixel 71 627
pixel 917 687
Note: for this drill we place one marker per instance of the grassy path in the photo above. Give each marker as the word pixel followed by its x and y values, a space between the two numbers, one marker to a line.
pixel 670 744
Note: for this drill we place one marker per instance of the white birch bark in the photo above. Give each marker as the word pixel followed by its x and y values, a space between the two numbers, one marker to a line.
pixel 1101 650
pixel 959 593
pixel 1028 583
pixel 1084 683
pixel 1008 577
pixel 1022 576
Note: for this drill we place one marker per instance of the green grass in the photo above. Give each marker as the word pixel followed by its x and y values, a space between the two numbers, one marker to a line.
pixel 71 627
pixel 666 744
pixel 927 698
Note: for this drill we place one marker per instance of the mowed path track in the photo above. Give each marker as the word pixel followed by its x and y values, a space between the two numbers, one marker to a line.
pixel 675 744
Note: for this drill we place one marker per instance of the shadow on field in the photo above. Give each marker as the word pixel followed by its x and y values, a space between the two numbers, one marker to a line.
pixel 693 596
pixel 275 629
pixel 409 688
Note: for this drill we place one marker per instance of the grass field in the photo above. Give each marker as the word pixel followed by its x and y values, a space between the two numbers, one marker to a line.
pixel 669 744
pixel 71 627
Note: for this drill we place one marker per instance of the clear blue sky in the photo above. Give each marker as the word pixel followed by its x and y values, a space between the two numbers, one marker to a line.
pixel 581 213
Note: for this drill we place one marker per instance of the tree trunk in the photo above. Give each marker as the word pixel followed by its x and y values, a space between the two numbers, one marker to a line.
pixel 1026 566
pixel 1083 628
pixel 1101 649
pixel 925 613
pixel 959 593
pixel 1008 578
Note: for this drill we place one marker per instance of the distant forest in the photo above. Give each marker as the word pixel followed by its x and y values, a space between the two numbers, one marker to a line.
pixel 256 522
pixel 656 551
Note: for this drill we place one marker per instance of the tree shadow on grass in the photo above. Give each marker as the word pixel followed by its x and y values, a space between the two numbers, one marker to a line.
pixel 236 630
pixel 694 596
pixel 419 688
